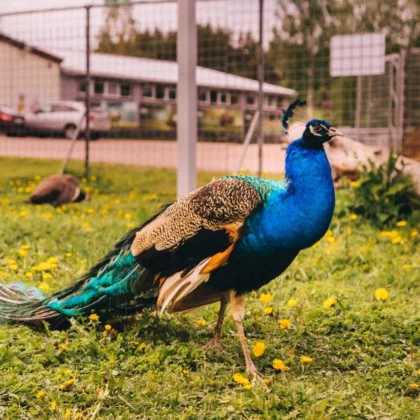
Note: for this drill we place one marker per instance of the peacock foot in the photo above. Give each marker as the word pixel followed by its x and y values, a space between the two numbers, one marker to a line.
pixel 252 370
pixel 213 344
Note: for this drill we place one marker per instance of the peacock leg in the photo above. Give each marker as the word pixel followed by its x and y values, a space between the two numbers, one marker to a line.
pixel 214 343
pixel 238 313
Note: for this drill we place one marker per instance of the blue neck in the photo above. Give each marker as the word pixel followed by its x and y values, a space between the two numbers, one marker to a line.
pixel 299 216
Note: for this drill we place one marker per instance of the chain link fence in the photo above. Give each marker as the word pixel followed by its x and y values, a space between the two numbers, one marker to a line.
pixel 133 75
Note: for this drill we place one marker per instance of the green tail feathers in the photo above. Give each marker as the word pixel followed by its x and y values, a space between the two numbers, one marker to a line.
pixel 116 285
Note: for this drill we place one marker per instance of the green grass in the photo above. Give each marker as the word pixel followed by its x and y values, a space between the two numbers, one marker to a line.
pixel 365 352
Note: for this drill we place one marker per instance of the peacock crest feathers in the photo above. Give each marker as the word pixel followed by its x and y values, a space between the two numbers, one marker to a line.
pixel 296 112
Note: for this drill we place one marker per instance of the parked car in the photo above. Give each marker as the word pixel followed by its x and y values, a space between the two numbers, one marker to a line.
pixel 63 118
pixel 12 123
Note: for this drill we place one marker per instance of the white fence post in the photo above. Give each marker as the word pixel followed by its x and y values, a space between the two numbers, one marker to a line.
pixel 187 97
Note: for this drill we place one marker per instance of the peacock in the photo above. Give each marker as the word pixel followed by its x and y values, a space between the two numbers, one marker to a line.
pixel 58 189
pixel 216 244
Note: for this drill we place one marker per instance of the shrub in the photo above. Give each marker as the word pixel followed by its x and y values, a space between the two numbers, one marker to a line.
pixel 385 193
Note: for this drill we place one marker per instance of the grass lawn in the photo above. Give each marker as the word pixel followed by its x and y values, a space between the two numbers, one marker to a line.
pixel 363 357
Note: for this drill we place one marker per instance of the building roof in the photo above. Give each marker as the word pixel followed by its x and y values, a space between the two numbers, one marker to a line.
pixel 158 71
pixel 30 48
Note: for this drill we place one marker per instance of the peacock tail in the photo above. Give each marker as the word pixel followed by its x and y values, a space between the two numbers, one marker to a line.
pixel 116 285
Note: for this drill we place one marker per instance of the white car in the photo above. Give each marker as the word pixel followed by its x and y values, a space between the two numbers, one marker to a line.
pixel 63 117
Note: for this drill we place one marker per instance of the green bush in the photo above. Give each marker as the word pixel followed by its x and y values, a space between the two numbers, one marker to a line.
pixel 385 193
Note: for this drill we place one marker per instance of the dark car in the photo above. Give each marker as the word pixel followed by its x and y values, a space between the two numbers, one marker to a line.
pixel 12 123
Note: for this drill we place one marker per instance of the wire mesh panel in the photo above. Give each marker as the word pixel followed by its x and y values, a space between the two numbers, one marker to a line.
pixel 134 75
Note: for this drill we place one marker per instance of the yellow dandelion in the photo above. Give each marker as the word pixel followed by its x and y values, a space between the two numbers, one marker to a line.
pixel 291 303
pixel 23 252
pixel 108 327
pixel 185 372
pixel 414 387
pixel 267 382
pixel 240 379
pixel 414 233
pixel 94 317
pixel 247 387
pixel 284 324
pixel 68 254
pixel 354 184
pixel 40 395
pixel 90 211
pixel 353 216
pixel 406 266
pixel 314 259
pixel 142 346
pixel 201 323
pixel 117 201
pixel 67 414
pixel 268 311
pixel 46 276
pixel 14 267
pixel 266 298
pixel 306 359
pixel 279 365
pixel 259 349
pixel 29 275
pixel 127 216
pixel 53 405
pixel 63 347
pixel 68 384
pixel 44 287
pixel 381 294
pixel 396 240
pixel 401 223
pixel 328 303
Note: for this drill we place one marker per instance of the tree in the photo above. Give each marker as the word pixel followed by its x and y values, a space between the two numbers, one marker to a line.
pixel 118 34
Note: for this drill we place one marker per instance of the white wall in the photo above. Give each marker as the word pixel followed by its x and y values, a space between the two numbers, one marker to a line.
pixel 26 79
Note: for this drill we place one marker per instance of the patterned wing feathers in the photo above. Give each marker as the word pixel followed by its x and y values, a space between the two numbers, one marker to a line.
pixel 222 204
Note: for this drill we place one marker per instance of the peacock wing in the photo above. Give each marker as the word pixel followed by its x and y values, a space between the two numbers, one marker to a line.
pixel 194 236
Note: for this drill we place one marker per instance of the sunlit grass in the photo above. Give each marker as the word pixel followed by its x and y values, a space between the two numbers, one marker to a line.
pixel 336 336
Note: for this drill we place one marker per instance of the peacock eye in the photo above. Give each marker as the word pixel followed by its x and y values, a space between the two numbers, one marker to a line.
pixel 317 128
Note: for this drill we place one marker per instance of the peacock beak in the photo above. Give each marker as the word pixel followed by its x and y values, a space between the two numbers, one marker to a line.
pixel 333 132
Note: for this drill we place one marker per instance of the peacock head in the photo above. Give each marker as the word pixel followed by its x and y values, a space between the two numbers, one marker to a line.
pixel 318 132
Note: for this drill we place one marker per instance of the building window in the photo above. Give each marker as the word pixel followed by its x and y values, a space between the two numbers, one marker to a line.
pixel 279 102
pixel 148 91
pixel 250 100
pixel 223 98
pixel 82 86
pixel 98 87
pixel 234 99
pixel 271 101
pixel 160 92
pixel 125 89
pixel 202 95
pixel 213 96
pixel 171 93
pixel 113 88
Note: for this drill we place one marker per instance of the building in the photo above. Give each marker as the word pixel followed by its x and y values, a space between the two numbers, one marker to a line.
pixel 29 76
pixel 141 93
